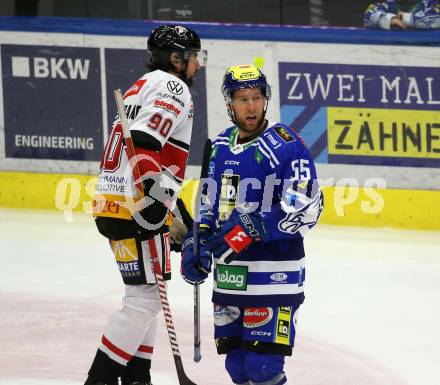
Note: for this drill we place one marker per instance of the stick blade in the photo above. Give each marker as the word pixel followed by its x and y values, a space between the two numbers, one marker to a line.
pixel 181 375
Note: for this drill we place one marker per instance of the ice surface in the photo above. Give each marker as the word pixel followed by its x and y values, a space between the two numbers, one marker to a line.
pixel 371 315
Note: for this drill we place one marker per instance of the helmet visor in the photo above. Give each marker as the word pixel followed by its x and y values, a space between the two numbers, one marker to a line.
pixel 199 55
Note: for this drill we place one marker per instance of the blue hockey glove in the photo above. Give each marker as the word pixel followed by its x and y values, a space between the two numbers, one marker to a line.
pixel 237 234
pixel 195 268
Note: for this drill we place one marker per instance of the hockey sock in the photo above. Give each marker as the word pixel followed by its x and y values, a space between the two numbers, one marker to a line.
pixel 235 366
pixel 105 370
pixel 138 370
pixel 265 369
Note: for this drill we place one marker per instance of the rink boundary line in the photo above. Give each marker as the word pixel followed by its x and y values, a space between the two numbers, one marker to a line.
pixel 402 209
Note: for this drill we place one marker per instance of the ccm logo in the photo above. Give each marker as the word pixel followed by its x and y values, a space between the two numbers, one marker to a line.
pixel 260 333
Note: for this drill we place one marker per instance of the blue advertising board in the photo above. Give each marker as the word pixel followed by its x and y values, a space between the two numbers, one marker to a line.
pixel 52 102
pixel 364 114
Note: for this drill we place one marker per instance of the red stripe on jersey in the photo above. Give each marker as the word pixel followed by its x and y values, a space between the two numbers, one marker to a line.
pixel 135 88
pixel 172 155
pixel 148 161
pixel 145 349
pixel 115 349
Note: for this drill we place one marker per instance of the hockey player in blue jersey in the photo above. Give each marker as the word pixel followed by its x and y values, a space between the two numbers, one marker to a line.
pixel 388 14
pixel 262 197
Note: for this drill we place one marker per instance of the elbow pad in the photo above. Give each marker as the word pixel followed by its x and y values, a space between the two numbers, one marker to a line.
pixel 285 222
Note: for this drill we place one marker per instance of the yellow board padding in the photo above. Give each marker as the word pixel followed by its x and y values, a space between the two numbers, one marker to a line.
pixel 368 207
pixel 47 191
pixel 384 133
pixel 355 206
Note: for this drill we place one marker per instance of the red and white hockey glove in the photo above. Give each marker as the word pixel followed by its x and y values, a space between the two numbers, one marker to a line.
pixel 237 234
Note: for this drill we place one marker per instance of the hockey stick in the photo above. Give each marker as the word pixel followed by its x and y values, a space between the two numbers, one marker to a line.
pixel 129 147
pixel 203 174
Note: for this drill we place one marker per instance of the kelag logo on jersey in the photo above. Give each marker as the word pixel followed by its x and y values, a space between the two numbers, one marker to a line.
pixel 228 195
pixel 232 277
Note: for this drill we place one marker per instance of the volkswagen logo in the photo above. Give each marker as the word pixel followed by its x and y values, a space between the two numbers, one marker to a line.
pixel 175 87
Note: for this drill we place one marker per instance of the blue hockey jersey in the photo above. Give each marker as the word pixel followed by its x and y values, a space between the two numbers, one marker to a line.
pixel 273 174
pixel 424 15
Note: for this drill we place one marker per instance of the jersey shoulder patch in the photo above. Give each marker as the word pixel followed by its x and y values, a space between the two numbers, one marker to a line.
pixel 279 142
pixel 278 137
pixel 282 132
pixel 288 136
pixel 223 137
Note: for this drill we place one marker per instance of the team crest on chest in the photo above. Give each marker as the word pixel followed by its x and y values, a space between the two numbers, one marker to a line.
pixel 228 195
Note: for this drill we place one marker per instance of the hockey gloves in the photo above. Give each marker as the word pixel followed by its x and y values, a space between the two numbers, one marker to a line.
pixel 237 234
pixel 195 268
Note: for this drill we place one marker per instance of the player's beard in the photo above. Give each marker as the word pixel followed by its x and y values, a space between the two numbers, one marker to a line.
pixel 241 123
pixel 189 79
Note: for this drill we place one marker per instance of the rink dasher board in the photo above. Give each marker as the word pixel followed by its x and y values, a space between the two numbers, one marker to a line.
pixel 318 51
pixel 73 193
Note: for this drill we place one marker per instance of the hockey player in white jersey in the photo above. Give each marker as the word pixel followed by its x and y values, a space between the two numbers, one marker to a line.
pixel 261 199
pixel 160 113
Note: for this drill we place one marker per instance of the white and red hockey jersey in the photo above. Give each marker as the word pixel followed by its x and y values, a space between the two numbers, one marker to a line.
pixel 160 105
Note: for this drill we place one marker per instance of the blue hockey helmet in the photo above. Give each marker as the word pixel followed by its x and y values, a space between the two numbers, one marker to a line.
pixel 244 76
